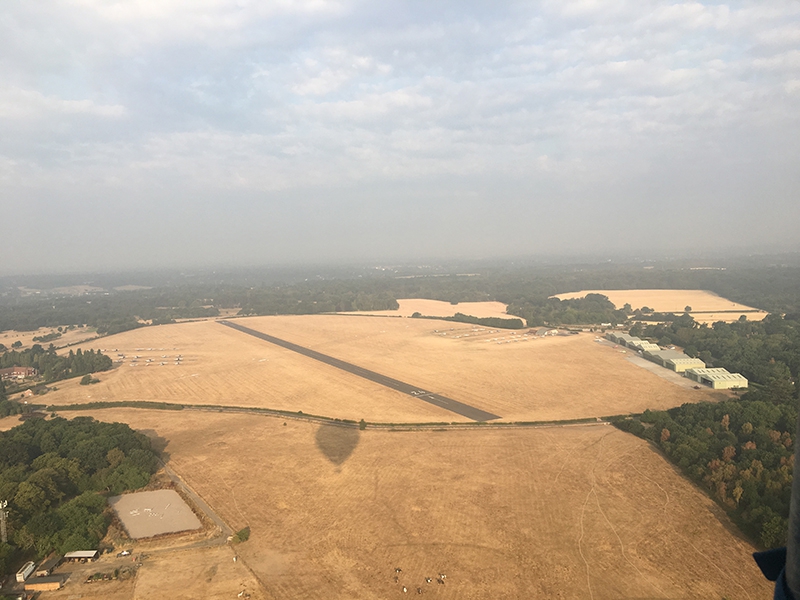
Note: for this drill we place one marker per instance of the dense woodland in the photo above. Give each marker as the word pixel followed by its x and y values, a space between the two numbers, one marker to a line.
pixel 56 475
pixel 7 407
pixel 54 367
pixel 741 451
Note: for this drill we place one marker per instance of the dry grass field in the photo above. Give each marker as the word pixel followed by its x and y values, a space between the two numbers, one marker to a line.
pixel 515 376
pixel 675 301
pixel 224 367
pixel 518 377
pixel 437 308
pixel 207 573
pixel 569 512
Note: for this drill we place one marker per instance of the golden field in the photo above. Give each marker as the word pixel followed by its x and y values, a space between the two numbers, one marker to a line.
pixel 674 301
pixel 437 308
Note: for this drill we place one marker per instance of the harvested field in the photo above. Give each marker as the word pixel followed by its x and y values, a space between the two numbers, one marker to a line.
pixel 26 337
pixel 437 308
pixel 570 512
pixel 716 308
pixel 516 376
pixel 713 317
pixel 147 514
pixel 7 423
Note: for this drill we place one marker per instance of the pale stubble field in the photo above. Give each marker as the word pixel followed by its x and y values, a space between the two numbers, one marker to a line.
pixel 707 307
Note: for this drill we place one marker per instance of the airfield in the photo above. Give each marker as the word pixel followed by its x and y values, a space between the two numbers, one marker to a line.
pixel 515 376
pixel 564 511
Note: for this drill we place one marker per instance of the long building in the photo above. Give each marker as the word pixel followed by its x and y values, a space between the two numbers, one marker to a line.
pixel 680 365
pixel 717 378
pixel 646 346
pixel 660 357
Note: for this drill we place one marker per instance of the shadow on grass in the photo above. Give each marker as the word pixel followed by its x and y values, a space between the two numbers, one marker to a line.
pixel 337 443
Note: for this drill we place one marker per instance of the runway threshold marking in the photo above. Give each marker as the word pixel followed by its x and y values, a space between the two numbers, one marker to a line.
pixel 470 412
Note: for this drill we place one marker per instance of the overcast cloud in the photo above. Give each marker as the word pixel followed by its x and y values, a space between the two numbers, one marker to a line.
pixel 169 132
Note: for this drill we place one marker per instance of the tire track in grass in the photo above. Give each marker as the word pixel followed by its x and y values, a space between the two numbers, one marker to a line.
pixel 583 514
pixel 659 486
pixel 616 534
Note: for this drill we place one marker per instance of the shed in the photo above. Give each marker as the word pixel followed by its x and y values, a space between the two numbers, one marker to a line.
pixel 44 584
pixel 81 555
pixel 47 566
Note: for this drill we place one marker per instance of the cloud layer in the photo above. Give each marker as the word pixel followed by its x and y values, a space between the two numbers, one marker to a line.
pixel 230 131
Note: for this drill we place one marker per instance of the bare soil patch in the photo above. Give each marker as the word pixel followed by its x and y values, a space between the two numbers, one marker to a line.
pixel 571 512
pixel 147 514
pixel 675 301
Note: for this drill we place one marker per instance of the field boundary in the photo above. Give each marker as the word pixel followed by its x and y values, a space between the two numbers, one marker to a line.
pixel 324 420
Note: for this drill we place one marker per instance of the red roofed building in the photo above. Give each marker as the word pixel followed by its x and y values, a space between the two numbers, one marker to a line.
pixel 17 373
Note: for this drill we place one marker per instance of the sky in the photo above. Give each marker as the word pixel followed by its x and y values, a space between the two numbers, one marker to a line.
pixel 159 133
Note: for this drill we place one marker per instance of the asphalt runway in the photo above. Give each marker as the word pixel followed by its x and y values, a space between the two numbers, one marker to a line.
pixel 470 412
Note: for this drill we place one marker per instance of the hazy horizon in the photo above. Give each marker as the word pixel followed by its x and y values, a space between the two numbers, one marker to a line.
pixel 148 134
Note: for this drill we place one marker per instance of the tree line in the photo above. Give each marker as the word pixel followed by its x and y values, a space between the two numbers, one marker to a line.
pixel 56 474
pixel 54 367
pixel 741 451
pixel 495 322
pixel 527 289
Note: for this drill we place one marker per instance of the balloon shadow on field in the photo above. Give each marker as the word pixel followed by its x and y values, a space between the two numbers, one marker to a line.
pixel 157 443
pixel 337 443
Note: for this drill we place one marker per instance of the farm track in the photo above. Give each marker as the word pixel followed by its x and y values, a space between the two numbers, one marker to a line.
pixel 224 530
pixel 459 408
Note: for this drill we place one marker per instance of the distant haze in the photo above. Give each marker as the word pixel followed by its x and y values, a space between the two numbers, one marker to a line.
pixel 160 133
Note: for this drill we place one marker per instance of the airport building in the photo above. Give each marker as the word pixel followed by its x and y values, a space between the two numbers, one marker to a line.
pixel 680 365
pixel 660 357
pixel 718 378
